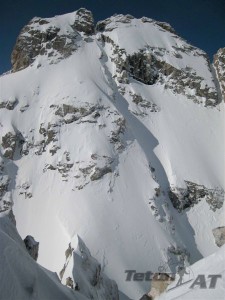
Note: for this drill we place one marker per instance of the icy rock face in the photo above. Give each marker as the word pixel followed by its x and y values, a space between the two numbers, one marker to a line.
pixel 49 38
pixel 219 234
pixel 32 246
pixel 219 64
pixel 82 272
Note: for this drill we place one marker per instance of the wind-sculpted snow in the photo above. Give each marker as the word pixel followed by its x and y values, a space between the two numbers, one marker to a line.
pixel 93 142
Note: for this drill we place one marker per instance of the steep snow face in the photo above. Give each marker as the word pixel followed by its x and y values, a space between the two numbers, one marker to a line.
pixel 119 143
pixel 21 277
pixel 208 267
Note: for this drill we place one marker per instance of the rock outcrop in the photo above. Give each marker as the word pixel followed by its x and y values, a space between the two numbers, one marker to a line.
pixel 159 284
pixel 148 66
pixel 142 67
pixel 219 235
pixel 182 198
pixel 9 144
pixel 50 39
pixel 84 273
pixel 8 104
pixel 219 64
pixel 32 246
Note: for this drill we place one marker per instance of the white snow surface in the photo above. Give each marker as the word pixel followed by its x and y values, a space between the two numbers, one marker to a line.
pixel 21 277
pixel 182 141
pixel 211 265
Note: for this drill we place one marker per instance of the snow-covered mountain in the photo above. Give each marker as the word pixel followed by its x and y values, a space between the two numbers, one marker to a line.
pixel 111 144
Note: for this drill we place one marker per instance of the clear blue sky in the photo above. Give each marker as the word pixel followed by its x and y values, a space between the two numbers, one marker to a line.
pixel 200 22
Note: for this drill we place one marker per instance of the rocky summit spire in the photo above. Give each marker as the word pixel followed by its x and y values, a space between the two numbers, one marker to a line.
pixel 52 38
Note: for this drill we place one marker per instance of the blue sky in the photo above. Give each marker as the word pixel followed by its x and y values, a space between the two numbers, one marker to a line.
pixel 200 22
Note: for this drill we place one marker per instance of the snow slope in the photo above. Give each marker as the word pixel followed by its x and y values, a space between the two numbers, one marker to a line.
pixel 211 265
pixel 90 161
pixel 21 277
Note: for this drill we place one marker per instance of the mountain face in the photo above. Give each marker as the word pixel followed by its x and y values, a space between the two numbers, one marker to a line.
pixel 111 153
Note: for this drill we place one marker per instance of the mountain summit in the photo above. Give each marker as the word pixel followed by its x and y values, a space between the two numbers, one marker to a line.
pixel 111 154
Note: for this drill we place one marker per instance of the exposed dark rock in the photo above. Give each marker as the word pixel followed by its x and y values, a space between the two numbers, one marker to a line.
pixel 180 80
pixel 10 104
pixel 166 26
pixel 148 67
pixel 49 133
pixel 100 172
pixel 24 108
pixel 142 67
pixel 116 135
pixel 219 235
pixel 101 25
pixel 219 63
pixel 54 149
pixel 87 170
pixel 84 22
pixel 146 297
pixel 69 251
pixel 65 109
pixel 111 23
pixel 35 40
pixel 9 144
pixel 5 195
pixel 141 102
pixel 32 246
pixel 69 282
pixel 139 65
pixel 182 198
pixel 63 167
pixel 25 189
pixel 70 113
pixel 12 216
